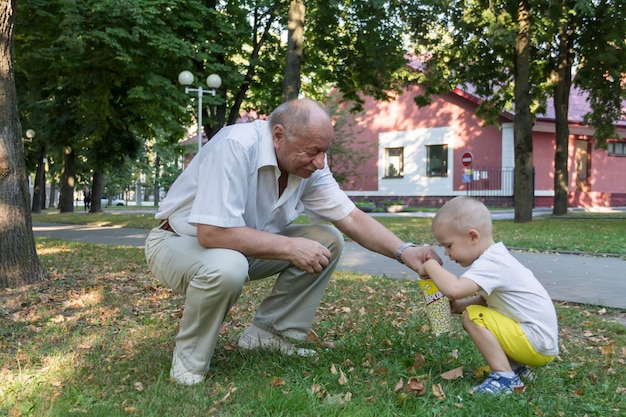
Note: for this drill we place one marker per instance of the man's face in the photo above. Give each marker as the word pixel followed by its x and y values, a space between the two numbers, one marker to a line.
pixel 301 155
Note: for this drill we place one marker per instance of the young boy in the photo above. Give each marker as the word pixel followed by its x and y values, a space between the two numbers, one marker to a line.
pixel 510 318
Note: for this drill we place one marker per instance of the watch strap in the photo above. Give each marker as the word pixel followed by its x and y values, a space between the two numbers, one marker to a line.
pixel 401 249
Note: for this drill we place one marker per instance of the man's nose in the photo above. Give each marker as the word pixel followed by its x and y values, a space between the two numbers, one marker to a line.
pixel 318 161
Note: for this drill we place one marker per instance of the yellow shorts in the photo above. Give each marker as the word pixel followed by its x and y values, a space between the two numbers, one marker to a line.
pixel 509 334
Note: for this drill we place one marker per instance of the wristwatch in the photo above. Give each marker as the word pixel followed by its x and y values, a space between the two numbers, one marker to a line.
pixel 401 249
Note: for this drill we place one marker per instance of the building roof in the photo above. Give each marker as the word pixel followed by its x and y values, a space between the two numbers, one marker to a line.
pixel 578 100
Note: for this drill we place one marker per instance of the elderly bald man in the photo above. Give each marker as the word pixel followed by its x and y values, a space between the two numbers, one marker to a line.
pixel 228 219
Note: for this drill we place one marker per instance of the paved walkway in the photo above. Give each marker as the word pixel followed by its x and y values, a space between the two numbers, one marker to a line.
pixel 575 278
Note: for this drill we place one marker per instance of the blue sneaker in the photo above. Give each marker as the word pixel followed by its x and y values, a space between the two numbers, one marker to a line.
pixel 497 384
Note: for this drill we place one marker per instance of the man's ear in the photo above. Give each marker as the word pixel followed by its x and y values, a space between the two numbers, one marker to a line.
pixel 278 134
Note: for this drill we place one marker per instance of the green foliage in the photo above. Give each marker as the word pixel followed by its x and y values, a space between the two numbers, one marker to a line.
pixel 472 44
pixel 469 44
pixel 602 66
pixel 357 47
pixel 100 76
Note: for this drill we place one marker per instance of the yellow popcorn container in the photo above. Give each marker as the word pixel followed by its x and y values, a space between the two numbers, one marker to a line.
pixel 437 307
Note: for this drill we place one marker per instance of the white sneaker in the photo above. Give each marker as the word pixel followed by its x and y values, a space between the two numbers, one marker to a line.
pixel 181 374
pixel 255 338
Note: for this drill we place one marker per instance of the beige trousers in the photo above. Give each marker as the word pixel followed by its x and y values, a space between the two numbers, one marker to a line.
pixel 212 281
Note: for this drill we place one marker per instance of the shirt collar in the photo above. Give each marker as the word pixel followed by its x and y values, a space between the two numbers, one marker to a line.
pixel 267 155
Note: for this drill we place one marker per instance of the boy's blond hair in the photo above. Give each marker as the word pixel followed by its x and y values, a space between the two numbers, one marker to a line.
pixel 463 213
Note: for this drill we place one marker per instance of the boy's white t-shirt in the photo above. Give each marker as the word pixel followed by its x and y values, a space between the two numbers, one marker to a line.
pixel 512 290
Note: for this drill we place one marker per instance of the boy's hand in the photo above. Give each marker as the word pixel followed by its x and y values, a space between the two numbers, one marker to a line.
pixel 422 272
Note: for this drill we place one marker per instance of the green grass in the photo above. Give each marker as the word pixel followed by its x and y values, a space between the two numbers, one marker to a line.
pixel 598 233
pixel 96 340
pixel 125 216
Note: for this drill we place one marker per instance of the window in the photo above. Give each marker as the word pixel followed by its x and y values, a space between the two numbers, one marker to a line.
pixel 394 162
pixel 437 160
pixel 583 165
pixel 617 148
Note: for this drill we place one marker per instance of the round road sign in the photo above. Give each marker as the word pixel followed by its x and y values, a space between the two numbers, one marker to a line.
pixel 466 159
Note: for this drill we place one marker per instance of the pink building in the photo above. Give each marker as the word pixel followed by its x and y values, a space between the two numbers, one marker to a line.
pixel 428 155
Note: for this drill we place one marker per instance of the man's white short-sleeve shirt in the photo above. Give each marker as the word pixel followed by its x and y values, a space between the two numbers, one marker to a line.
pixel 233 182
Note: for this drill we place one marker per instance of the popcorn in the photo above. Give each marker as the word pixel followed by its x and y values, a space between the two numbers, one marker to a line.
pixel 437 307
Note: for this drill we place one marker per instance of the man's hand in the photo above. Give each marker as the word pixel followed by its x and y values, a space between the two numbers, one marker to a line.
pixel 415 257
pixel 309 255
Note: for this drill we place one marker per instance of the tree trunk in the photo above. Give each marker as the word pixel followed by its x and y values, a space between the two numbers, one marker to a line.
pixel 44 194
pixel 96 191
pixel 19 264
pixel 293 61
pixel 53 193
pixel 157 188
pixel 39 188
pixel 68 181
pixel 563 83
pixel 523 138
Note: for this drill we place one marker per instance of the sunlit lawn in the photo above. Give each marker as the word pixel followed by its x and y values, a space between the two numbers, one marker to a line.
pixel 96 340
pixel 600 233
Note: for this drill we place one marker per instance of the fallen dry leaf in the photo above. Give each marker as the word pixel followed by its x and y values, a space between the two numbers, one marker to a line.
pixel 380 371
pixel 453 374
pixel 438 392
pixel 399 386
pixel 608 350
pixel 414 386
pixel 334 399
pixel 316 389
pixel 483 370
pixel 519 390
pixel 342 378
pixel 418 361
pixel 276 382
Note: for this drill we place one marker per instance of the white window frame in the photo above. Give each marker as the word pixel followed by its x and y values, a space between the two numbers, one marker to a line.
pixel 395 161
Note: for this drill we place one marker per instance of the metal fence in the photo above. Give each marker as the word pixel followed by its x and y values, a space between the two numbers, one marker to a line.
pixel 489 182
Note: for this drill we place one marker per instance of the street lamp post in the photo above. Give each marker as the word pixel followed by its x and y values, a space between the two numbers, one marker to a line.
pixel 213 81
pixel 30 134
